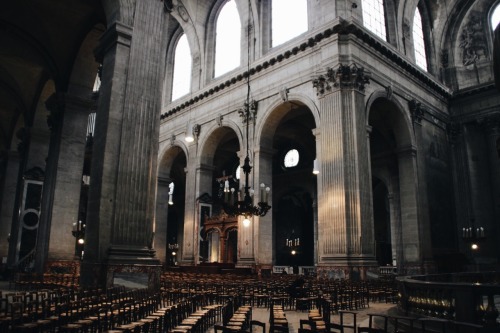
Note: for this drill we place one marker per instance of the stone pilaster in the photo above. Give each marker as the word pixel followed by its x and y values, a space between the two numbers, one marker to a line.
pixel 55 104
pixel 246 243
pixel 491 126
pixel 161 219
pixel 124 166
pixel 461 181
pixel 10 176
pixel 263 230
pixel 69 177
pixel 418 111
pixel 345 213
pixel 200 184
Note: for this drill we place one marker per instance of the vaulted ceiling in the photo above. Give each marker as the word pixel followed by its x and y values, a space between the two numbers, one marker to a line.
pixel 40 41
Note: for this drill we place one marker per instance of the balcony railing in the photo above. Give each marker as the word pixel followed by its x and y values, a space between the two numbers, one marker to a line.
pixel 466 297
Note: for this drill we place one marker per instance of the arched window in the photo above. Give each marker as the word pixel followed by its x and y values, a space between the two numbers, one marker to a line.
pixel 418 41
pixel 227 39
pixel 495 17
pixel 374 17
pixel 289 19
pixel 181 84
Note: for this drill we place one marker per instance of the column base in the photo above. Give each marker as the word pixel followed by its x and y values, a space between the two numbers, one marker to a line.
pixel 352 268
pixel 133 268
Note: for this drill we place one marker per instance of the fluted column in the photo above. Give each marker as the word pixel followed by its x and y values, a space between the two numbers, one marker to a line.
pixel 124 166
pixel 345 212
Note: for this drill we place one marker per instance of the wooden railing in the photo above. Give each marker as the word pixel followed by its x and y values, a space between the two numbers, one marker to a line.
pixel 467 297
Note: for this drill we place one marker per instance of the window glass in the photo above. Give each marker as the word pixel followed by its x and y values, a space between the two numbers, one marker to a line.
pixel 181 84
pixel 374 17
pixel 227 39
pixel 418 41
pixel 291 158
pixel 495 17
pixel 289 19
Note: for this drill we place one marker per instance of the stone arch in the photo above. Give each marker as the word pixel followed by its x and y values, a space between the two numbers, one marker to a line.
pixel 167 155
pixel 275 112
pixel 393 158
pixel 406 134
pixel 85 66
pixel 168 218
pixel 209 139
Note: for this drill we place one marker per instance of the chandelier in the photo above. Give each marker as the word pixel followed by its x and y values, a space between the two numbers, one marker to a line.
pixel 241 204
pixel 244 205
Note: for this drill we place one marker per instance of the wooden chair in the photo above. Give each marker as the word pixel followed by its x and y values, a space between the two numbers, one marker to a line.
pixel 278 329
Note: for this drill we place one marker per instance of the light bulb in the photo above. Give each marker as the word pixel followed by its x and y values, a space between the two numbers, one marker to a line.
pixel 246 222
pixel 315 167
pixel 81 241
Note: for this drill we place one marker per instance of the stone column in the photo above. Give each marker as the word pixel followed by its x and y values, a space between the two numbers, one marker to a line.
pixel 491 126
pixel 424 228
pixel 69 177
pixel 411 235
pixel 345 212
pixel 246 243
pixel 316 134
pixel 10 174
pixel 55 104
pixel 195 187
pixel 161 220
pixel 124 163
pixel 461 182
pixel 263 231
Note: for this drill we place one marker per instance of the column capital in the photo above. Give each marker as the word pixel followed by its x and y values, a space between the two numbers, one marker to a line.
pixel 342 77
pixel 117 33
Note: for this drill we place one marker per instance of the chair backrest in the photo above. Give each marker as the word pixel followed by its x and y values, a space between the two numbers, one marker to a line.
pixel 278 328
pixel 257 324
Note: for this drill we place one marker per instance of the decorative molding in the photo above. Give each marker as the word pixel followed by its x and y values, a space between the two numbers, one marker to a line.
pixel 473 41
pixel 389 92
pixel 284 94
pixel 252 109
pixel 344 77
pixel 218 119
pixel 417 111
pixel 172 140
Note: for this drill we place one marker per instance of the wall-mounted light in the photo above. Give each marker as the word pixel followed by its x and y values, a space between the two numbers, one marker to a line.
pixel 189 133
pixel 315 167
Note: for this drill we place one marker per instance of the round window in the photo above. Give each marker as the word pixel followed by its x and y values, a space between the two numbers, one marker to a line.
pixel 291 158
